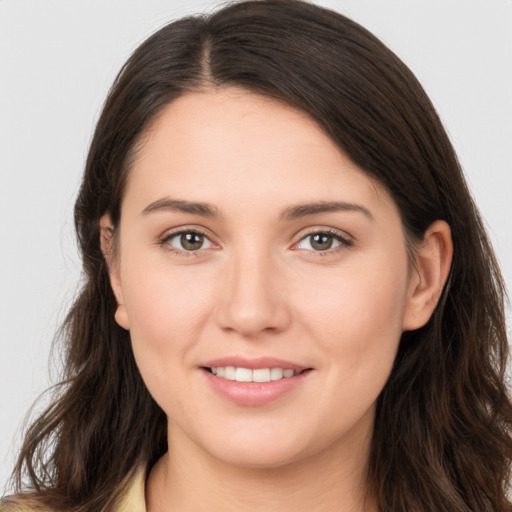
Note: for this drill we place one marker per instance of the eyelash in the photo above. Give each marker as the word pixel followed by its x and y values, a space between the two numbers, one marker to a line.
pixel 164 242
pixel 344 242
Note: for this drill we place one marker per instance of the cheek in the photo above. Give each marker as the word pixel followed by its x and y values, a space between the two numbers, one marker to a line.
pixel 357 321
pixel 161 297
pixel 167 311
pixel 359 298
pixel 357 328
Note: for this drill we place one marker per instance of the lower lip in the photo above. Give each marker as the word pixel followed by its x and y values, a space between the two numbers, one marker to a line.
pixel 254 393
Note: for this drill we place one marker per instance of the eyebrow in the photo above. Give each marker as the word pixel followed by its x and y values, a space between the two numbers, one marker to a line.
pixel 314 208
pixel 182 206
pixel 290 213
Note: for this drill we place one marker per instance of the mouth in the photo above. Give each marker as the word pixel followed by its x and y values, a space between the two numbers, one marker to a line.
pixel 254 381
pixel 259 375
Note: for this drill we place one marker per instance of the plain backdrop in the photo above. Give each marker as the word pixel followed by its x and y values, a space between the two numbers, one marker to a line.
pixel 57 61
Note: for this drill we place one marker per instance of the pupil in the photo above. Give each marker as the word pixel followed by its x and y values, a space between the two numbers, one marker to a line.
pixel 191 241
pixel 321 242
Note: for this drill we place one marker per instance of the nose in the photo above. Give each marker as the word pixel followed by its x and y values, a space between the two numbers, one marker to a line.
pixel 254 299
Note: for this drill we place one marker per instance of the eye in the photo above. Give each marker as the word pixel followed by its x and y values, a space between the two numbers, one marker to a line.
pixel 187 241
pixel 323 241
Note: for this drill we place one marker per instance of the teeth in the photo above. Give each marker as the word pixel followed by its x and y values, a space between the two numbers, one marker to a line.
pixel 230 373
pixel 257 375
pixel 243 375
pixel 261 375
pixel 276 373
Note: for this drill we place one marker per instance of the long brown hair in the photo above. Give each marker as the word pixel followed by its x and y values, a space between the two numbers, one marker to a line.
pixel 442 434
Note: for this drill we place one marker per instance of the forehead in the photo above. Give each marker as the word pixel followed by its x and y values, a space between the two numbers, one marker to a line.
pixel 234 147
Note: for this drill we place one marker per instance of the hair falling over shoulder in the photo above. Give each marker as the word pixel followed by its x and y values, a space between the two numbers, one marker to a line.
pixel 442 439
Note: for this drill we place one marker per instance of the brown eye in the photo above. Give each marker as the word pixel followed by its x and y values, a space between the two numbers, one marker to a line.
pixel 188 241
pixel 323 241
pixel 191 241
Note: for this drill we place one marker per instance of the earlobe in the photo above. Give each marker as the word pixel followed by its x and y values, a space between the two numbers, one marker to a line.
pixel 432 262
pixel 121 317
pixel 107 248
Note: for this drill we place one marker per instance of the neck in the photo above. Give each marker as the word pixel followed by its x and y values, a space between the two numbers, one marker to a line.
pixel 187 479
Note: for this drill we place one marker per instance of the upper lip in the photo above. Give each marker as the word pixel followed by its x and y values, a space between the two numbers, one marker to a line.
pixel 253 363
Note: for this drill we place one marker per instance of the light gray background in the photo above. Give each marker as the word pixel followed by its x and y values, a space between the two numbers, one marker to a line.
pixel 57 60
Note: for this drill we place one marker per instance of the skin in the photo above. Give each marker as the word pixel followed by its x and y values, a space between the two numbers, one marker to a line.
pixel 258 287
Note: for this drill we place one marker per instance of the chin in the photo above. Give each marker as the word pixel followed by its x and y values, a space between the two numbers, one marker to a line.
pixel 262 459
pixel 263 450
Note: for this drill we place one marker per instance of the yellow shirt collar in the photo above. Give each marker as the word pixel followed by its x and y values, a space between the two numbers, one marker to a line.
pixel 133 499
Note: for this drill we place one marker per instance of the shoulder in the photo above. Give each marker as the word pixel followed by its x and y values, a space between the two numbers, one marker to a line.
pixel 131 500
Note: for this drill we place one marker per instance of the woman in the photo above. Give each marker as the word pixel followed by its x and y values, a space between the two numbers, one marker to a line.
pixel 290 300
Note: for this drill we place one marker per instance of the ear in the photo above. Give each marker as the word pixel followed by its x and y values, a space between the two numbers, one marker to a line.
pixel 107 248
pixel 429 272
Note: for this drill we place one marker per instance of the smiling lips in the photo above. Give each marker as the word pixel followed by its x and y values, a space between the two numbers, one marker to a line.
pixel 254 382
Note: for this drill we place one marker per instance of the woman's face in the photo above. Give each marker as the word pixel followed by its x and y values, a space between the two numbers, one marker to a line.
pixel 252 248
